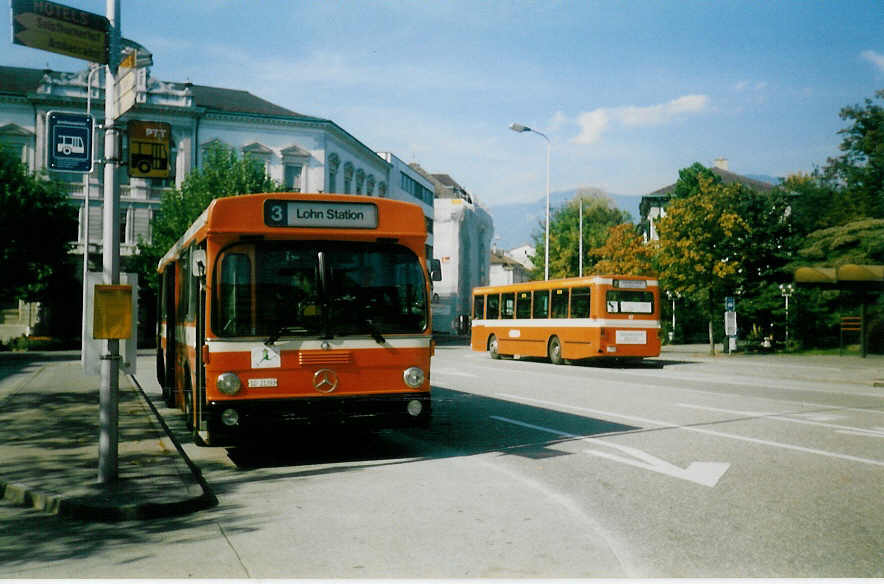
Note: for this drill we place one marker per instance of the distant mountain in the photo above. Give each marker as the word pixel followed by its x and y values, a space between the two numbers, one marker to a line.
pixel 774 180
pixel 515 222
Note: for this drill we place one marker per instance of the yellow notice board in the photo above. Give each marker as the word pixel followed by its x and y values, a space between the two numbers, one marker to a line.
pixel 112 316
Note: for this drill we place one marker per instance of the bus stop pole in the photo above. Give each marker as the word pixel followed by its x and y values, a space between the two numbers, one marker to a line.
pixel 108 418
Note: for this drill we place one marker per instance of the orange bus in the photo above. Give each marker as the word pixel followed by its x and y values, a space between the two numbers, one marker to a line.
pixel 301 308
pixel 569 319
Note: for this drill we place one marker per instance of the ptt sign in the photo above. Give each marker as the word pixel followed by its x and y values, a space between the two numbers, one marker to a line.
pixel 69 142
pixel 149 145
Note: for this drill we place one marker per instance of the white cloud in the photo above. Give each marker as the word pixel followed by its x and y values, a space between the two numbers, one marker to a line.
pixel 876 59
pixel 594 123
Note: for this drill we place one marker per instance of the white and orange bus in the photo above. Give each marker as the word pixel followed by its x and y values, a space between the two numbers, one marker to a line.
pixel 303 308
pixel 569 319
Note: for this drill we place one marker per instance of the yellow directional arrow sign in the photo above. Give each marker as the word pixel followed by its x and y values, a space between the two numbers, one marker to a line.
pixel 45 25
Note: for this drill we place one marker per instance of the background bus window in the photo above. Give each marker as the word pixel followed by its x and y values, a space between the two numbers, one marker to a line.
pixel 560 303
pixel 507 305
pixel 629 302
pixel 523 305
pixel 541 304
pixel 580 302
pixel 493 310
pixel 479 307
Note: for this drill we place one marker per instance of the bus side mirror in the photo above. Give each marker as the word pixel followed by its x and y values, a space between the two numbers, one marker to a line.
pixel 435 270
pixel 198 262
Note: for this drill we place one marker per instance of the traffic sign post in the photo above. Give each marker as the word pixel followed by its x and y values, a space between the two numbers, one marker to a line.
pixel 69 142
pixel 45 25
pixel 149 144
pixel 730 323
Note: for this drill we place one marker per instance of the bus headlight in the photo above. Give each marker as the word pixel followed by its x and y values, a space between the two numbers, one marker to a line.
pixel 229 383
pixel 414 377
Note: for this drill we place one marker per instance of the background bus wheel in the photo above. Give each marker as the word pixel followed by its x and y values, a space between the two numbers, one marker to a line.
pixel 188 402
pixel 492 347
pixel 554 350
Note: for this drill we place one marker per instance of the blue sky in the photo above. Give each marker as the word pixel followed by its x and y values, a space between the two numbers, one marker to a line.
pixel 628 92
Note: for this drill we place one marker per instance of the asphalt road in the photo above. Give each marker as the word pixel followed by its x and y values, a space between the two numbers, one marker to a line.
pixel 763 466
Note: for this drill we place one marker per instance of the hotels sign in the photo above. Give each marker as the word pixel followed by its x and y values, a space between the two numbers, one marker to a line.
pixel 45 25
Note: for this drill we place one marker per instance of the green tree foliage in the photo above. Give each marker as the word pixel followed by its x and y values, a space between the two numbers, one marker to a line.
pixel 689 180
pixel 37 223
pixel 860 169
pixel 599 214
pixel 223 174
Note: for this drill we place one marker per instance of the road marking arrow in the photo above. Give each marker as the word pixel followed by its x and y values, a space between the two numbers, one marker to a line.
pixel 702 473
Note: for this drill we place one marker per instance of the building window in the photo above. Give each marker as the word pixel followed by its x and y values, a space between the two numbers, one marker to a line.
pixel 124 216
pixel 360 181
pixel 369 185
pixel 292 177
pixel 382 189
pixel 348 178
pixel 333 162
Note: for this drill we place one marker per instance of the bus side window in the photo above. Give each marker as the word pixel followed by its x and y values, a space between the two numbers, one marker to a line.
pixel 493 310
pixel 508 304
pixel 478 307
pixel 541 304
pixel 560 303
pixel 580 303
pixel 523 305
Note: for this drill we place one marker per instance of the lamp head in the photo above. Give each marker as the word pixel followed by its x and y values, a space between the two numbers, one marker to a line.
pixel 519 127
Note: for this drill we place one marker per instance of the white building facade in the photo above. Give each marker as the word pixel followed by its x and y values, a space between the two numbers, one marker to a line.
pixel 462 243
pixel 409 185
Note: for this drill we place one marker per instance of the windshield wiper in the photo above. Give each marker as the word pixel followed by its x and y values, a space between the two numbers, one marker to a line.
pixel 375 332
pixel 280 330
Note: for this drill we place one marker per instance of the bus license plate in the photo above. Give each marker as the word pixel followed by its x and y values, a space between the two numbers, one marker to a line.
pixel 631 337
pixel 263 382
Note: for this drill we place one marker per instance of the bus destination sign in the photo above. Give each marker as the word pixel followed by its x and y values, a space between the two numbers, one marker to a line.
pixel 316 214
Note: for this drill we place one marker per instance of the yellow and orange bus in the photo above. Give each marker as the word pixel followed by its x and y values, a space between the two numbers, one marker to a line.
pixel 569 319
pixel 301 308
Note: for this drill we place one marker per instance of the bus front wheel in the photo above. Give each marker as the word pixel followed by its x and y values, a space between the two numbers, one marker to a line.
pixel 554 350
pixel 492 347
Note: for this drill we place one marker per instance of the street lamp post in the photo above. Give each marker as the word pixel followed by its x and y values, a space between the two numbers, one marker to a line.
pixel 520 128
pixel 786 290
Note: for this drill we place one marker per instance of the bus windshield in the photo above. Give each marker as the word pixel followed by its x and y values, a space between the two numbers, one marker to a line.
pixel 326 289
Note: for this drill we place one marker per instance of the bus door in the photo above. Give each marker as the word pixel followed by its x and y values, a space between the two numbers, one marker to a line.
pixel 198 288
pixel 167 312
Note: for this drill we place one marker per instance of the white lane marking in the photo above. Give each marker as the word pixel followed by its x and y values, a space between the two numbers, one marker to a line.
pixel 702 473
pixel 763 382
pixel 663 424
pixel 783 418
pixel 437 371
pixel 876 432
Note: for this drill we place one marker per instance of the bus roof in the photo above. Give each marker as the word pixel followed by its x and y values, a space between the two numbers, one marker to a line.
pixel 564 283
pixel 245 215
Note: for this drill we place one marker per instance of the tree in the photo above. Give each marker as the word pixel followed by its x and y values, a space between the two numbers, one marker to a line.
pixel 688 183
pixel 860 169
pixel 222 174
pixel 624 252
pixel 700 239
pixel 564 227
pixel 37 223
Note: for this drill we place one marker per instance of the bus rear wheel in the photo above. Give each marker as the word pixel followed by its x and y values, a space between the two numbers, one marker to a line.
pixel 554 351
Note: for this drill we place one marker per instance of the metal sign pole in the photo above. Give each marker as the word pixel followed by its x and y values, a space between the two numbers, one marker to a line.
pixel 108 418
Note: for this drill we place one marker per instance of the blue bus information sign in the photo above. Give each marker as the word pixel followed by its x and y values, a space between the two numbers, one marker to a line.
pixel 69 142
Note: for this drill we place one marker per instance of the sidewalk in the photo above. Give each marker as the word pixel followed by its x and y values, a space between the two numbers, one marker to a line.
pixel 49 446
